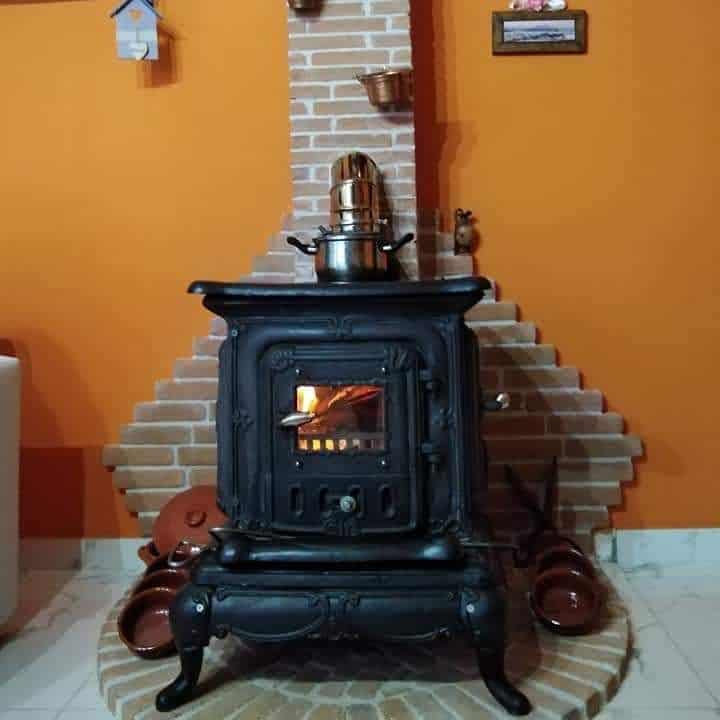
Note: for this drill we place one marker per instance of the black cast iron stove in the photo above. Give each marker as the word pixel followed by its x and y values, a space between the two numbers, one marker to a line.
pixel 348 428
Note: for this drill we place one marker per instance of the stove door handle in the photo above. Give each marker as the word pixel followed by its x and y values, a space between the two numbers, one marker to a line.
pixel 302 247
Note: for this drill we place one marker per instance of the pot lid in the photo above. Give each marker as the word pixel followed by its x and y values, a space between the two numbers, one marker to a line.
pixel 188 516
pixel 338 235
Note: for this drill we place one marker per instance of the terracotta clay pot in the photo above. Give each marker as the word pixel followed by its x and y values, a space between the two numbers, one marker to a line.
pixel 144 624
pixel 187 517
pixel 565 601
pixel 168 578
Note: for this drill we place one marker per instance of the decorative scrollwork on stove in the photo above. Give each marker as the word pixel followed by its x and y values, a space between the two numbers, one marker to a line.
pixel 398 359
pixel 444 418
pixel 282 360
pixel 242 419
pixel 341 328
pixel 340 524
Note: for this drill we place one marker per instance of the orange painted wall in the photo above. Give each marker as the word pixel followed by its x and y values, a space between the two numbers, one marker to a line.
pixel 595 182
pixel 591 177
pixel 117 188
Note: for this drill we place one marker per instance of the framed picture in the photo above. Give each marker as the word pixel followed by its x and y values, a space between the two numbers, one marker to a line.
pixel 539 32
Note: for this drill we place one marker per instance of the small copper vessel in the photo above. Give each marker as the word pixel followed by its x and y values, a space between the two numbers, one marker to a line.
pixel 387 87
pixel 304 4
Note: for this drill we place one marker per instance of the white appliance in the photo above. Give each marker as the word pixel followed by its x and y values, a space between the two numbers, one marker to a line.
pixel 9 456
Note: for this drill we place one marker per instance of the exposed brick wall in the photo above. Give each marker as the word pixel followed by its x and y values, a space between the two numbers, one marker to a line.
pixel 170 445
pixel 330 114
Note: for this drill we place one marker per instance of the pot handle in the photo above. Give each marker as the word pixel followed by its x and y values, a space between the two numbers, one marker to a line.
pixel 395 245
pixel 302 247
pixel 183 553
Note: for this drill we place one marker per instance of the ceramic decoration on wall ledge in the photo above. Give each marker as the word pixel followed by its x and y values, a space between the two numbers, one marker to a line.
pixel 538 5
pixel 136 24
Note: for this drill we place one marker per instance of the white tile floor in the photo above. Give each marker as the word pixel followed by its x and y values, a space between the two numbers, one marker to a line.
pixel 47 659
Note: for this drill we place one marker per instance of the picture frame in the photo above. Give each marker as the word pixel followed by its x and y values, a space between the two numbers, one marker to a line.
pixel 524 33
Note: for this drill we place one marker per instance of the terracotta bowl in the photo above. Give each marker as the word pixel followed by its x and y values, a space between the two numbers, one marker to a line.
pixel 566 558
pixel 168 578
pixel 144 624
pixel 565 601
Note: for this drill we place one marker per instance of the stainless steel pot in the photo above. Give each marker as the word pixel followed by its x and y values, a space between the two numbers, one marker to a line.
pixel 355 166
pixel 355 194
pixel 350 257
pixel 355 206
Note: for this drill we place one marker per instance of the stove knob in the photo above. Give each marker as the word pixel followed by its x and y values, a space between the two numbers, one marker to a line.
pixel 348 504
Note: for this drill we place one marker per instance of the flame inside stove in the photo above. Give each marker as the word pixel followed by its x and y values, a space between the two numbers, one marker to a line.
pixel 340 418
pixel 307 399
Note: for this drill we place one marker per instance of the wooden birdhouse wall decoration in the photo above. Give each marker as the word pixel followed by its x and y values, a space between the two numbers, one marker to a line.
pixel 137 30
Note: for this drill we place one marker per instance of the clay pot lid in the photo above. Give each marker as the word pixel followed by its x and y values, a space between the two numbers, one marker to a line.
pixel 188 516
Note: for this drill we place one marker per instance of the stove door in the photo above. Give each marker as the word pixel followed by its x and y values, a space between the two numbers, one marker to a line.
pixel 345 438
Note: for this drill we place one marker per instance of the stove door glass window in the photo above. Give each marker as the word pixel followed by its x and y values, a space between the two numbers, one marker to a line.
pixel 341 418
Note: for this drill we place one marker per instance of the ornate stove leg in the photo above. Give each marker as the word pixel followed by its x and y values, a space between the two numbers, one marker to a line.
pixel 181 689
pixel 190 621
pixel 492 669
pixel 484 613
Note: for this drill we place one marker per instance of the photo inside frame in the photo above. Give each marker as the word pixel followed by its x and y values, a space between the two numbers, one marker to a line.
pixel 538 31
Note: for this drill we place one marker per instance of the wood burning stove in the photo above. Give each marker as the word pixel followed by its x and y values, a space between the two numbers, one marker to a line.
pixel 348 443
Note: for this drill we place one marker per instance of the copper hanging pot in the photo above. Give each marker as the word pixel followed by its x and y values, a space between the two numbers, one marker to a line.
pixel 386 88
pixel 304 4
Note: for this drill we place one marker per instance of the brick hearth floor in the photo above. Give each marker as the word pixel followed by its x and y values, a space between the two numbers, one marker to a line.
pixel 47 665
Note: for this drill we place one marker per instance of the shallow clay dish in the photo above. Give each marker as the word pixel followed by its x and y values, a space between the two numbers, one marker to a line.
pixel 144 624
pixel 168 578
pixel 565 601
pixel 565 557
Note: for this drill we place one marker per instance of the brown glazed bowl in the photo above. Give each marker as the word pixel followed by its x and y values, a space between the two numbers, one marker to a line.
pixel 565 557
pixel 565 601
pixel 144 624
pixel 173 578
